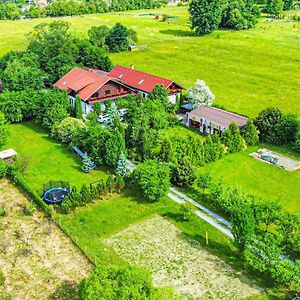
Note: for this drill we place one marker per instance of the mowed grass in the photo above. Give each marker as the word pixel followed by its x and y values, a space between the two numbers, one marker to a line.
pixel 46 159
pixel 255 177
pixel 247 70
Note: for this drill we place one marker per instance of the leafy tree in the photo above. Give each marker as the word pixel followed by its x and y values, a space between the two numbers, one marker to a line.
pixel 117 39
pixel 232 139
pixel 122 167
pixel 20 75
pixel 186 211
pixel 250 134
pixel 98 34
pixel 240 14
pixel 289 228
pixel 92 56
pixel 65 130
pixel 114 282
pixel 78 108
pixel 263 252
pixel 286 129
pixel 183 173
pixel 87 164
pixel 200 94
pixel 205 15
pixel 274 7
pixel 4 130
pixel 204 181
pixel 265 122
pixel 243 226
pixel 267 213
pixel 153 179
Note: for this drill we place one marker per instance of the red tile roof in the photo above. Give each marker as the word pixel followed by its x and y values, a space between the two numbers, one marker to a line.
pixel 137 79
pixel 218 116
pixel 83 82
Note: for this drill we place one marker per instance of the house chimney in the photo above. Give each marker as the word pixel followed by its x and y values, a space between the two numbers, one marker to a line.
pixel 132 66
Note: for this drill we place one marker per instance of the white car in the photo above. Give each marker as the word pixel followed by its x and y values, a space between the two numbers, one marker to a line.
pixel 102 118
pixel 122 112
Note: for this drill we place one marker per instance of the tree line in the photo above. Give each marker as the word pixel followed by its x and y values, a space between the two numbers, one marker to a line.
pixel 57 8
pixel 209 15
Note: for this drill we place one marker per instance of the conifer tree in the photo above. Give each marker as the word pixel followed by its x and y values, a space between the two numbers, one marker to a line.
pixel 122 168
pixel 232 139
pixel 78 108
pixel 250 134
pixel 87 164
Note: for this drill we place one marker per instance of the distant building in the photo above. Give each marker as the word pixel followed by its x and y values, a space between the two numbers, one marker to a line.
pixel 213 120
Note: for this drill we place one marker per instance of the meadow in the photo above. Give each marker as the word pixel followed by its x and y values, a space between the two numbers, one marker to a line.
pixel 246 70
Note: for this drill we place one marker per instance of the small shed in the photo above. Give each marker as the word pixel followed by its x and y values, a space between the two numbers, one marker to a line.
pixel 8 155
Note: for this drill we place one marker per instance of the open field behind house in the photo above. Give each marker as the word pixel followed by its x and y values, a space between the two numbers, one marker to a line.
pixel 45 159
pixel 252 176
pixel 36 258
pixel 179 262
pixel 247 70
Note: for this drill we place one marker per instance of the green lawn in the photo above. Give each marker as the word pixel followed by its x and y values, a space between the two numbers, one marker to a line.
pixel 257 178
pixel 45 158
pixel 247 70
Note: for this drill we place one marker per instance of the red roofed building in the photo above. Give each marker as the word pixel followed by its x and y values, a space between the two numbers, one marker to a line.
pixel 92 86
pixel 213 120
pixel 144 83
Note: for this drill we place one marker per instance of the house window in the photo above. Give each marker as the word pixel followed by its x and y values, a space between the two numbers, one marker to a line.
pixel 107 92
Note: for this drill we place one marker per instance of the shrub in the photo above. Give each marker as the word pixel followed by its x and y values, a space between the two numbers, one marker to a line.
pixel 118 282
pixel 186 211
pixel 250 134
pixel 232 139
pixel 183 173
pixel 153 179
pixel 65 130
pixel 3 168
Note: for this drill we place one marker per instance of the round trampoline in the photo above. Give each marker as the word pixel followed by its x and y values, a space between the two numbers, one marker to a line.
pixel 56 195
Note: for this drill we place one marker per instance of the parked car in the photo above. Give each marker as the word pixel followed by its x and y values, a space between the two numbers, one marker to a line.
pixel 102 118
pixel 122 112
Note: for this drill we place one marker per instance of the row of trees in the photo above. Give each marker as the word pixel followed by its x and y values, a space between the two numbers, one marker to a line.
pixel 87 194
pixel 57 8
pixel 209 15
pixel 262 230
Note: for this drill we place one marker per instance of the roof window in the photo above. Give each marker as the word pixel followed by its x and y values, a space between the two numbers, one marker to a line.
pixel 141 81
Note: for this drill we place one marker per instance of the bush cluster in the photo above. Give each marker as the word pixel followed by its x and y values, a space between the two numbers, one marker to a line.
pixel 87 194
